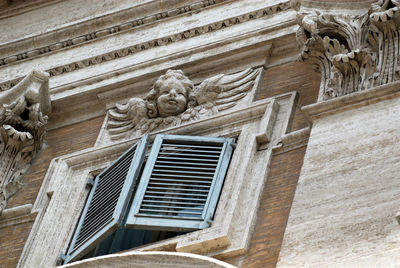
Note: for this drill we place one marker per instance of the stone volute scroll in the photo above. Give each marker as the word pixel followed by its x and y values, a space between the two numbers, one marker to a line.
pixel 174 100
pixel 24 112
pixel 355 48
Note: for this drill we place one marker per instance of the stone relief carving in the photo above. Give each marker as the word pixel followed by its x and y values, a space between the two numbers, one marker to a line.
pixel 384 39
pixel 174 100
pixel 352 52
pixel 23 117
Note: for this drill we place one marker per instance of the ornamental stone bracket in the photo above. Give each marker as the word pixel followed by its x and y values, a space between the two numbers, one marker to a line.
pixel 353 49
pixel 23 118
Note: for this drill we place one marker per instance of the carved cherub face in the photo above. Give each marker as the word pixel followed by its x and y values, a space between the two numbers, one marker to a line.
pixel 171 95
pixel 172 98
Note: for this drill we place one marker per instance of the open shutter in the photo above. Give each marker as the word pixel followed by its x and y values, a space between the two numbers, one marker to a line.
pixel 107 201
pixel 181 183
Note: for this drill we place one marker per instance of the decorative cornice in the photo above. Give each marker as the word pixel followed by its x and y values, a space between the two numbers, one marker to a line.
pixel 354 51
pixel 70 67
pixel 23 119
pixel 89 37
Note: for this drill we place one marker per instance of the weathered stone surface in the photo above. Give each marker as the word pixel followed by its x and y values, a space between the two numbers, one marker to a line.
pixel 23 119
pixel 174 100
pixel 354 48
pixel 344 211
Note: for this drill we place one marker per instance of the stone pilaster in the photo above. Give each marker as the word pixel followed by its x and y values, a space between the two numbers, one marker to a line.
pixel 344 210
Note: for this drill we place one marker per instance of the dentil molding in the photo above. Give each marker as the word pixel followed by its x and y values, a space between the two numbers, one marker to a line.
pixel 90 36
pixel 133 48
pixel 23 118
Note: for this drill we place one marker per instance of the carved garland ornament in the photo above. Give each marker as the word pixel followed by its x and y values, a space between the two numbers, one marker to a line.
pixel 23 117
pixel 352 52
pixel 175 100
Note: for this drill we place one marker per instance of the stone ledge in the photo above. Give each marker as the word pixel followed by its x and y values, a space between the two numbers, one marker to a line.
pixel 292 141
pixel 347 102
pixel 17 215
pixel 25 7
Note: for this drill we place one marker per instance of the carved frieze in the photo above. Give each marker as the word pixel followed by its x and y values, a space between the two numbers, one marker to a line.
pixel 175 100
pixel 353 51
pixel 23 117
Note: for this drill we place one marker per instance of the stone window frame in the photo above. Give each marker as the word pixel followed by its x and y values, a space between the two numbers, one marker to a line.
pixel 259 128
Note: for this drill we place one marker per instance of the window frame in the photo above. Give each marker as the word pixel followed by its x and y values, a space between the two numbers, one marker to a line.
pixel 64 190
pixel 135 176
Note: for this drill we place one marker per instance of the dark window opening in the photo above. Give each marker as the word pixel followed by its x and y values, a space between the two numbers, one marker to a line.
pixel 124 239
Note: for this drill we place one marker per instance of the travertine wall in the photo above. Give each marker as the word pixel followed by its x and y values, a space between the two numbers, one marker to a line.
pixel 343 214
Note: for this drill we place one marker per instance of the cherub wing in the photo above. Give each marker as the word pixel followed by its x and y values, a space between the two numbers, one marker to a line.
pixel 225 90
pixel 125 117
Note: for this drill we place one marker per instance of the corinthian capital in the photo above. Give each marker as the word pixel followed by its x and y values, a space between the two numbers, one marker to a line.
pixel 354 46
pixel 23 118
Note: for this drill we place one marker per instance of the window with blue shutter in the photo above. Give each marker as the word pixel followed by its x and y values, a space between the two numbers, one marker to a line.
pixel 107 201
pixel 178 191
pixel 181 183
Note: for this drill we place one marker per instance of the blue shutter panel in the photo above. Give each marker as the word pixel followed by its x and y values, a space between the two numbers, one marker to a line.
pixel 107 201
pixel 181 183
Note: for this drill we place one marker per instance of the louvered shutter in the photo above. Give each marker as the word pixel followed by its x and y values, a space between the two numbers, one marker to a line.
pixel 107 201
pixel 181 183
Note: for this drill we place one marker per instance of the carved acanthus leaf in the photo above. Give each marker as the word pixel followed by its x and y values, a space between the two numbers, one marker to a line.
pixel 23 117
pixel 353 52
pixel 211 96
pixel 337 46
